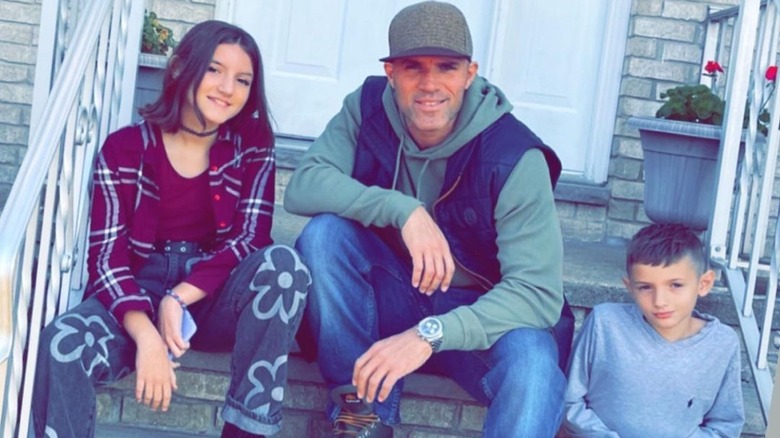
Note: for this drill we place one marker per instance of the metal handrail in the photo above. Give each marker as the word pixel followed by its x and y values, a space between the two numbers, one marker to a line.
pixel 740 217
pixel 43 224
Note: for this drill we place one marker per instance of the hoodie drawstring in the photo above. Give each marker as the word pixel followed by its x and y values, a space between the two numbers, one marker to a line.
pixel 397 166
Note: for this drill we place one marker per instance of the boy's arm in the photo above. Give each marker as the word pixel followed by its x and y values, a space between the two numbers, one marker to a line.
pixel 727 415
pixel 579 419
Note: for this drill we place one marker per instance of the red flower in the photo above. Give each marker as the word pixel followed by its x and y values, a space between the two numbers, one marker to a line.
pixel 712 66
pixel 771 73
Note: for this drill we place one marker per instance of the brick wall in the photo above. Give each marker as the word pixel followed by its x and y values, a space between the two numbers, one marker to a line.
pixel 664 49
pixel 19 21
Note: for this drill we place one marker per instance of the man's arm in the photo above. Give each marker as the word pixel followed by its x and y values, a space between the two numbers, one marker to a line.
pixel 323 183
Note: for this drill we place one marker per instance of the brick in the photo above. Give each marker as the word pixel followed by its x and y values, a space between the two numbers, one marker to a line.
pixel 14 73
pixel 681 52
pixel 192 417
pixel 631 106
pixel 5 190
pixel 685 10
pixel 660 70
pixel 647 7
pixel 108 404
pixel 294 426
pixel 636 87
pixel 666 29
pixel 171 11
pixel 472 417
pixel 642 47
pixel 428 412
pixel 11 114
pixel 308 397
pixel 8 173
pixel 11 154
pixel 591 213
pixel 622 229
pixel 16 93
pixel 629 148
pixel 566 209
pixel 17 53
pixel 585 231
pixel 622 210
pixel 20 12
pixel 18 33
pixel 14 134
pixel 629 190
pixel 202 386
pixel 625 168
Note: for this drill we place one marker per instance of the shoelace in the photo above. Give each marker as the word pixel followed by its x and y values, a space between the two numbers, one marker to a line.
pixel 354 421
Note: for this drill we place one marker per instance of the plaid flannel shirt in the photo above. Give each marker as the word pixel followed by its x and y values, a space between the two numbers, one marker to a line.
pixel 123 219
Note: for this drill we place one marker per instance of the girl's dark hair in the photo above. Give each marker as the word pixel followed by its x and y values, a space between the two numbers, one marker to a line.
pixel 188 65
pixel 665 244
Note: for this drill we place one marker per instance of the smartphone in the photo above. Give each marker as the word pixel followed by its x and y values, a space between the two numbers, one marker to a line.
pixel 188 328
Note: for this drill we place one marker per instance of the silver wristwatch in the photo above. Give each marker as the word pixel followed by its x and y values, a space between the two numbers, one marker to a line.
pixel 431 331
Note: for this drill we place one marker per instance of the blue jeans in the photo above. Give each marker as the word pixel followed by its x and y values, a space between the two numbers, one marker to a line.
pixel 256 315
pixel 361 293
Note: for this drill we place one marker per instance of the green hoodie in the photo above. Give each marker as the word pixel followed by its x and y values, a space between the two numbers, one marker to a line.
pixel 530 293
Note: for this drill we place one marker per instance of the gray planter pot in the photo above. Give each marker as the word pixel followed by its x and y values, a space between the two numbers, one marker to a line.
pixel 148 82
pixel 681 164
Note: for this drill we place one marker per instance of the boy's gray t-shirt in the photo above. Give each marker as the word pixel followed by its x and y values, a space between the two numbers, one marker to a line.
pixel 626 380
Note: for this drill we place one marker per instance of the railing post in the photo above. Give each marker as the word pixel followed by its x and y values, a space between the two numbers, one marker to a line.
pixel 736 93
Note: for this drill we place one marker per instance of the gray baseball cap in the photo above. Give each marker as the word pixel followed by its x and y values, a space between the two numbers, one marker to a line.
pixel 430 28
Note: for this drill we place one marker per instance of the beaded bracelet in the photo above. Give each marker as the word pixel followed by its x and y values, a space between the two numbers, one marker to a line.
pixel 176 297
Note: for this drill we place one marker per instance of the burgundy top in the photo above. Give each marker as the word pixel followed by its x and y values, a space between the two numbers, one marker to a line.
pixel 124 217
pixel 185 210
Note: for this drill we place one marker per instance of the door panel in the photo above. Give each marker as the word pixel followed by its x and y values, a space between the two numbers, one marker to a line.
pixel 550 58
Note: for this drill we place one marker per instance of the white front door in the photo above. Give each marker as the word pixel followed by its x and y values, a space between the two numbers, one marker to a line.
pixel 558 62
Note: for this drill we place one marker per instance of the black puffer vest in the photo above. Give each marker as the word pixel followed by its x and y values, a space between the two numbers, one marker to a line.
pixel 475 176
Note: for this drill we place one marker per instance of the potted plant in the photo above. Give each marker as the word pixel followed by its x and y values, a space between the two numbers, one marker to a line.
pixel 680 147
pixel 156 42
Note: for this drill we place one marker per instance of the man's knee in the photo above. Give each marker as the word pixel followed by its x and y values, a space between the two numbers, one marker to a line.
pixel 528 355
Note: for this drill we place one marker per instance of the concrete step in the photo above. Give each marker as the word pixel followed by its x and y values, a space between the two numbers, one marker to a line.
pixel 432 406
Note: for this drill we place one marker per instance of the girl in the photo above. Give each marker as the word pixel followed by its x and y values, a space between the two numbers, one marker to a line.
pixel 180 238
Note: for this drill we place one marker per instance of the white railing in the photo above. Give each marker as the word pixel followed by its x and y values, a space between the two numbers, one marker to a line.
pixel 738 239
pixel 79 82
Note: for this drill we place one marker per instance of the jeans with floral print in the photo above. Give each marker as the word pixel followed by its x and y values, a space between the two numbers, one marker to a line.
pixel 256 315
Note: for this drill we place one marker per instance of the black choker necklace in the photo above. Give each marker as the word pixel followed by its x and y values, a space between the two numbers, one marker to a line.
pixel 199 134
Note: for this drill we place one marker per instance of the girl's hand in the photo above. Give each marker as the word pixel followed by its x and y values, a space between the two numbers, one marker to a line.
pixel 169 324
pixel 155 379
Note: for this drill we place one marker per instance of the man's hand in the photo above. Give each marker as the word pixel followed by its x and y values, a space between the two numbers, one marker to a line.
pixel 387 361
pixel 432 262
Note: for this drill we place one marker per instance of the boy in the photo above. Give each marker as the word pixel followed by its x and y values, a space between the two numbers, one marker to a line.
pixel 656 367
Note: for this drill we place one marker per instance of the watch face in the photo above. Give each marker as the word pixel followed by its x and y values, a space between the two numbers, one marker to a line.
pixel 430 328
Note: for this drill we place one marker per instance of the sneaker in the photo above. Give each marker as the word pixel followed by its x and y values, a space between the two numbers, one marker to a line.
pixel 356 418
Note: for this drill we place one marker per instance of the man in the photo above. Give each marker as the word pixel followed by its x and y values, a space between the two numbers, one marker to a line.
pixel 434 241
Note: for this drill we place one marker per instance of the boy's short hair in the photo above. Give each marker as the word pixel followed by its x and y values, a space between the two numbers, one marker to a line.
pixel 665 244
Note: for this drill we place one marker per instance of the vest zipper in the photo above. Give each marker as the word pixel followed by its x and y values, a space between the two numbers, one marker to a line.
pixel 481 281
